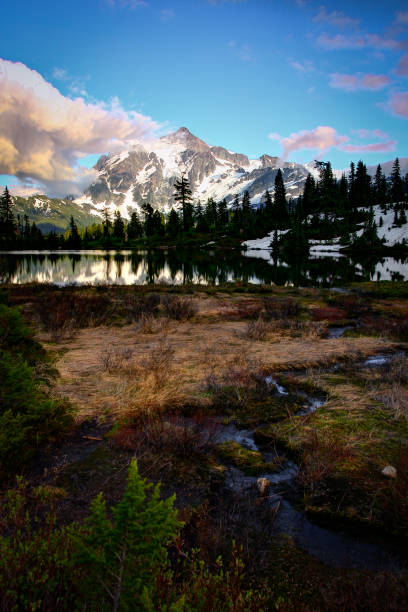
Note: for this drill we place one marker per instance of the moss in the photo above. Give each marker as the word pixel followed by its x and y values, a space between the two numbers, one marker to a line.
pixel 250 462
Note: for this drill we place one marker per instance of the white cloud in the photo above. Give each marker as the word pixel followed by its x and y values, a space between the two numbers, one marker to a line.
pixel 303 66
pixel 43 134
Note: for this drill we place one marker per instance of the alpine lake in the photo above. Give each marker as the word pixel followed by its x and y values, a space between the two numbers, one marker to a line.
pixel 175 266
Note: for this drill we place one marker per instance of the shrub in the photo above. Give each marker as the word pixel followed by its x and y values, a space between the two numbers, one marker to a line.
pixel 257 330
pixel 178 308
pixel 28 417
pixel 17 338
pixel 65 311
pixel 115 561
pixel 280 308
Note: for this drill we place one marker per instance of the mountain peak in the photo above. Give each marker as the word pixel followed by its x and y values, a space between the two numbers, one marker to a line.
pixel 183 131
pixel 186 138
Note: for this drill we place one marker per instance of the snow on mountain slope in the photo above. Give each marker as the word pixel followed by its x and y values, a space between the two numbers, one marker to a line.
pixel 147 173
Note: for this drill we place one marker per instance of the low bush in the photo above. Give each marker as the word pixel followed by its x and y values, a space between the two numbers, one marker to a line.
pixel 117 560
pixel 280 308
pixel 66 311
pixel 28 416
pixel 179 308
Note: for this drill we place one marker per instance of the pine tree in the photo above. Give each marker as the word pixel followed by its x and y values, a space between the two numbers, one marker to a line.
pixel 7 221
pixel 173 224
pixel 74 239
pixel 222 214
pixel 351 183
pixel 135 228
pixel 362 185
pixel 158 223
pixel 236 224
pixel 211 214
pixel 125 552
pixel 118 226
pixel 106 222
pixel 309 195
pixel 397 185
pixel 183 195
pixel 148 222
pixel 247 214
pixel 280 204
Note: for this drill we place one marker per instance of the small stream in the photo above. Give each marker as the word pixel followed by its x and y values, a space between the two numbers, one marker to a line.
pixel 333 547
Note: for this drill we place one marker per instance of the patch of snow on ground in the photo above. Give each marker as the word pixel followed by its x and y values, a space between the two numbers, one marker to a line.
pixel 262 243
pixel 391 234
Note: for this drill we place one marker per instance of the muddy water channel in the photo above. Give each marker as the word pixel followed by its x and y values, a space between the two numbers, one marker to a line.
pixel 331 546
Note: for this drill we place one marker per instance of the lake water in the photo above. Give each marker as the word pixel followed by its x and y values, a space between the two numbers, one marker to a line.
pixel 177 266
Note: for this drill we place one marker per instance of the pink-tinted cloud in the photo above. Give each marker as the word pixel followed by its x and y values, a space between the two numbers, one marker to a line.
pixel 402 67
pixel 274 136
pixel 352 82
pixel 336 18
pixel 398 104
pixel 402 17
pixel 324 137
pixel 362 133
pixel 377 147
pixel 340 41
pixel 374 82
pixel 43 134
pixel 320 139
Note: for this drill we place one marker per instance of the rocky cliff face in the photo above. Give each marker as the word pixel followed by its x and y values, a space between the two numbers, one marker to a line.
pixel 148 172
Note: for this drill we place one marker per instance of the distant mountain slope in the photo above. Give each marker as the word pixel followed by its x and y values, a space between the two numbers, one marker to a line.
pixel 54 214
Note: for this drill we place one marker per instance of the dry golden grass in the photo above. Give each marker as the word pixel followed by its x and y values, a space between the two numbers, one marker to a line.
pixel 207 343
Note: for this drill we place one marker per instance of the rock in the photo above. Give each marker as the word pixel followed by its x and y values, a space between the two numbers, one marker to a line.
pixel 389 471
pixel 263 485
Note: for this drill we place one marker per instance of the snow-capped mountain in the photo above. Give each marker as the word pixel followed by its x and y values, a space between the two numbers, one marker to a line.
pixel 147 173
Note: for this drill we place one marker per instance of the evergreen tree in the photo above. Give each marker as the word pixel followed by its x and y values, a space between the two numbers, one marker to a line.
pixel 201 222
pixel 135 228
pixel 351 185
pixel 158 223
pixel 106 222
pixel 397 185
pixel 7 221
pixel 327 191
pixel 362 185
pixel 74 239
pixel 183 195
pixel 126 551
pixel 149 225
pixel 236 224
pixel 118 226
pixel 380 187
pixel 173 224
pixel 211 214
pixel 247 215
pixel 280 205
pixel 222 214
pixel 309 195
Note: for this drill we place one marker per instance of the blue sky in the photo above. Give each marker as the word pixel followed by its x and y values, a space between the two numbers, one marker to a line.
pixel 296 78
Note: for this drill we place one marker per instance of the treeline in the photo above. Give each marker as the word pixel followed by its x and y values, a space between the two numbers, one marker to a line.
pixel 327 207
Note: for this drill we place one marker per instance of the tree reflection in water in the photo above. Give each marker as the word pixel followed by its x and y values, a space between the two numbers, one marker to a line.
pixel 180 266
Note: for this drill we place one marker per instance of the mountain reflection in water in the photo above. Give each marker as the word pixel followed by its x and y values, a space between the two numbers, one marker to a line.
pixel 180 266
